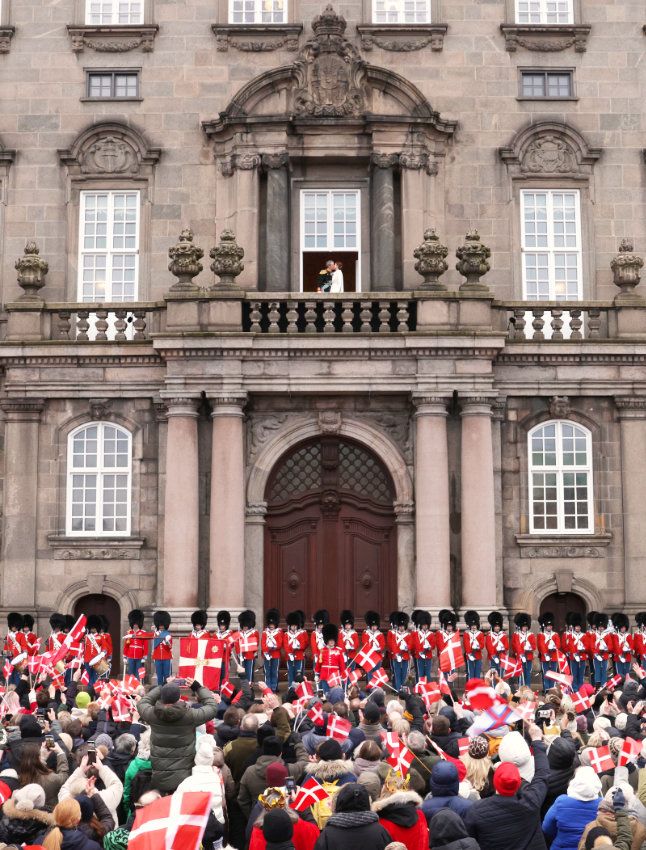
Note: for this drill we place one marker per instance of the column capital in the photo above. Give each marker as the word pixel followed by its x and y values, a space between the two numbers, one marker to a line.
pixel 22 409
pixel 431 405
pixel 384 160
pixel 404 512
pixel 279 159
pixel 228 405
pixel 476 405
pixel 181 406
pixel 631 407
pixel 256 513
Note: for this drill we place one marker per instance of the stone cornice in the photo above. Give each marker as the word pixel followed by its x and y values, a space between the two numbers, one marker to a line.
pixel 95 548
pixel 402 38
pixel 113 38
pixel 546 38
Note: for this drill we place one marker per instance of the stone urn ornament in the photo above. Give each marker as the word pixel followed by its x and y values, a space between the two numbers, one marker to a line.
pixel 472 262
pixel 431 261
pixel 625 271
pixel 185 262
pixel 31 270
pixel 227 260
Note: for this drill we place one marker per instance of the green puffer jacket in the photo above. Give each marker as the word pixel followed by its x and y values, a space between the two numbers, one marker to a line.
pixel 172 739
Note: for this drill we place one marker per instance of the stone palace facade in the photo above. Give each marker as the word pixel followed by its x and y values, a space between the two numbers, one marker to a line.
pixel 464 426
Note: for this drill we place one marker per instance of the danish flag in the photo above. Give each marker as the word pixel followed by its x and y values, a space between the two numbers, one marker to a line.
pixel 379 677
pixel 445 688
pixel 71 638
pixel 304 689
pixel 85 678
pixel 630 749
pixel 451 656
pixel 248 642
pixel 121 709
pixel 201 660
pixel 561 658
pixel 172 823
pixel 600 759
pixel 368 659
pixel 429 691
pixel 561 678
pixel 401 760
pixel 315 714
pixel 5 792
pixel 334 681
pixel 226 690
pixel 142 672
pixel 6 670
pixel 391 741
pixel 613 683
pixel 338 728
pixel 512 667
pixel 527 710
pixel 480 694
pixel 581 702
pixel 463 745
pixel 308 794
pixel 354 676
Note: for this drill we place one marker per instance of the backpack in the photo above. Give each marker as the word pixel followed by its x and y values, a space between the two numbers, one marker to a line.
pixel 322 809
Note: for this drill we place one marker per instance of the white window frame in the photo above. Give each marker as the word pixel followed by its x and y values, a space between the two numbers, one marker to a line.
pixel 559 469
pixel 551 249
pixel 114 17
pixel 329 248
pixel 109 250
pixel 383 19
pixel 544 6
pixel 257 14
pixel 100 471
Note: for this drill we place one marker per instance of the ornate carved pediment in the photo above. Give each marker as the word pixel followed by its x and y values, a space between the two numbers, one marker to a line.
pixel 108 149
pixel 549 149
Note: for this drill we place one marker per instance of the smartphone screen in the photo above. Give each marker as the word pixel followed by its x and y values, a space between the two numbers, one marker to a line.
pixel 91 754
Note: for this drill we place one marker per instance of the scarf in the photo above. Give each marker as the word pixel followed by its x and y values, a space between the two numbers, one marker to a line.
pixel 349 820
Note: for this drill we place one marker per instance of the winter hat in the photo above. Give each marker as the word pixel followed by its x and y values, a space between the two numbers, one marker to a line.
pixel 479 747
pixel 586 689
pixel 628 792
pixel 87 809
pixel 83 699
pixel 276 774
pixel 378 696
pixel 117 839
pixel 272 746
pixel 29 727
pixel 8 780
pixel 514 750
pixel 329 750
pixel 104 740
pixel 143 750
pixel 507 779
pixel 204 751
pixel 371 713
pixel 169 694
pixel 335 695
pixel 620 721
pixel 352 797
pixel 584 785
pixel 29 797
pixel 370 780
pixel 277 826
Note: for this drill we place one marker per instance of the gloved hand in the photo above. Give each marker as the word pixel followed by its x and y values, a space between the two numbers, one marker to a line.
pixel 618 799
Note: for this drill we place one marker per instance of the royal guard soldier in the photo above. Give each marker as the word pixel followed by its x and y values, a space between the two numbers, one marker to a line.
pixel 248 641
pixel 331 661
pixel 135 647
pixel 423 644
pixel 523 644
pixel 496 641
pixel 473 641
pixel 639 638
pixel 321 618
pixel 74 658
pixel 295 642
pixel 272 643
pixel 199 619
pixel 162 646
pixel 622 644
pixel 548 644
pixel 373 640
pixel 56 637
pixel 590 636
pixel 224 636
pixel 399 644
pixel 601 648
pixel 348 639
pixel 447 631
pixel 15 645
pixel 106 638
pixel 94 660
pixel 575 648
pixel 33 644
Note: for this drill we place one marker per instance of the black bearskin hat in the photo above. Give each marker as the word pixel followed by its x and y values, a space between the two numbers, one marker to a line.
pixel 105 623
pixel 93 622
pixel 640 618
pixel 136 618
pixel 330 632
pixel 447 617
pixel 415 616
pixel 295 618
pixel 15 620
pixel 69 622
pixel 372 618
pixel 199 618
pixel 601 621
pixel 620 621
pixel 522 619
pixel 423 618
pixel 346 617
pixel 321 617
pixel 28 621
pixel 57 622
pixel 402 620
pixel 272 617
pixel 573 618
pixel 161 619
pixel 472 618
pixel 247 619
pixel 590 617
pixel 223 619
pixel 495 619
pixel 546 619
pixel 392 618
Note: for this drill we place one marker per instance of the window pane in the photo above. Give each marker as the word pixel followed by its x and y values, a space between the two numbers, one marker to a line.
pixel 100 85
pixel 544 12
pixel 559 85
pixel 258 12
pixel 125 85
pixel 533 85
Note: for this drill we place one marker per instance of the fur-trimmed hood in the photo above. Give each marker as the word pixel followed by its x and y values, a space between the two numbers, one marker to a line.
pixel 328 771
pixel 10 810
pixel 399 798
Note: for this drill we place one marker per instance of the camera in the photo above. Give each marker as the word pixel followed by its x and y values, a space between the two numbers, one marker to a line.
pixel 290 784
pixel 91 752
pixel 49 742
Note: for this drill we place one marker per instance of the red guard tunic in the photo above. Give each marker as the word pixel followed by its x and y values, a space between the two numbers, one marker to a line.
pixel 15 643
pixel 548 643
pixel 600 645
pixel 639 644
pixel 247 643
pixel 348 643
pixel 474 643
pixel 136 643
pixel 32 643
pixel 162 645
pixel 399 645
pixel 423 644
pixel 295 644
pixel 575 646
pixel 317 643
pixel 92 647
pixel 329 662
pixel 375 641
pixel 106 643
pixel 524 645
pixel 496 644
pixel 272 642
pixel 623 646
pixel 54 641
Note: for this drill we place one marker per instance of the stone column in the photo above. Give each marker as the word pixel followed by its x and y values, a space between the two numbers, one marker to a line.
pixel 227 520
pixel 632 419
pixel 382 231
pixel 246 204
pixel 416 201
pixel 433 573
pixel 20 527
pixel 181 505
pixel 478 505
pixel 406 589
pixel 277 250
pixel 254 553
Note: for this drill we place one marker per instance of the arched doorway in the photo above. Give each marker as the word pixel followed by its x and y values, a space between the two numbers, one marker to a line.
pixel 560 603
pixel 330 533
pixel 98 603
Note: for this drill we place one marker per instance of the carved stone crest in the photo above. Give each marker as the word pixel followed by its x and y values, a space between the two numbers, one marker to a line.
pixel 560 406
pixel 99 408
pixel 330 421
pixel 110 156
pixel 549 155
pixel 330 74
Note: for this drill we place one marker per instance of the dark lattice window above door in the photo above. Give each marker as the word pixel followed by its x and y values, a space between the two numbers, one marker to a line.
pixel 362 473
pixel 299 473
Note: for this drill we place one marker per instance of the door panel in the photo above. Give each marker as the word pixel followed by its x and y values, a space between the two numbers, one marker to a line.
pixel 292 563
pixel 97 603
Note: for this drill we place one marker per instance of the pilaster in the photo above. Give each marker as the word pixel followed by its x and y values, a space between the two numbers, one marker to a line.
pixel 631 411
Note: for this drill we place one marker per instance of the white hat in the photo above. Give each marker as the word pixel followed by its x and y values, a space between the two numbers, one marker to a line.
pixel 514 749
pixel 29 797
pixel 204 751
pixel 584 785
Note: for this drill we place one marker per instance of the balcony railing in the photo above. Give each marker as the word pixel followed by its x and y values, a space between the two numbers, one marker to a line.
pixel 326 316
pixel 554 321
pixel 104 322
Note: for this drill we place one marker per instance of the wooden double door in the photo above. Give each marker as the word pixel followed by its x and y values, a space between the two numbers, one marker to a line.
pixel 330 535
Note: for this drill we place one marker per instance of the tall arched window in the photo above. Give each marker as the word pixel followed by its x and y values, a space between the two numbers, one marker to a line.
pixel 560 479
pixel 99 460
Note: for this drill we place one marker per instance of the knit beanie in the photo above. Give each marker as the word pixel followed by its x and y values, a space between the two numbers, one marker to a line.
pixel 507 779
pixel 87 809
pixel 352 798
pixel 104 740
pixel 204 751
pixel 275 774
pixel 620 721
pixel 29 727
pixel 272 746
pixel 370 780
pixel 29 797
pixel 479 747
pixel 117 839
pixel 83 699
pixel 277 826
pixel 514 749
pixel 169 694
pixel 329 750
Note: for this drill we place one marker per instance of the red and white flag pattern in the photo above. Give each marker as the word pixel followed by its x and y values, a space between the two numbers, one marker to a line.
pixel 451 656
pixel 338 728
pixel 493 718
pixel 600 759
pixel 201 660
pixel 630 749
pixel 581 702
pixel 309 793
pixel 561 678
pixel 481 695
pixel 378 678
pixel 511 668
pixel 368 659
pixel 304 689
pixel 172 823
pixel 315 714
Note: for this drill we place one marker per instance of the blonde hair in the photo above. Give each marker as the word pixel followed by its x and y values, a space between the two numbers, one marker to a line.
pixel 477 770
pixel 67 815
pixel 400 725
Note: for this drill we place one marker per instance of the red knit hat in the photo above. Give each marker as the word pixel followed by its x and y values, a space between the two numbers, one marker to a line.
pixel 275 774
pixel 506 779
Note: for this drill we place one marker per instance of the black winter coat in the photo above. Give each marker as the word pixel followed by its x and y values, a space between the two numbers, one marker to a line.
pixel 512 823
pixel 172 740
pixel 367 836
pixel 448 832
pixel 563 761
pixel 19 827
